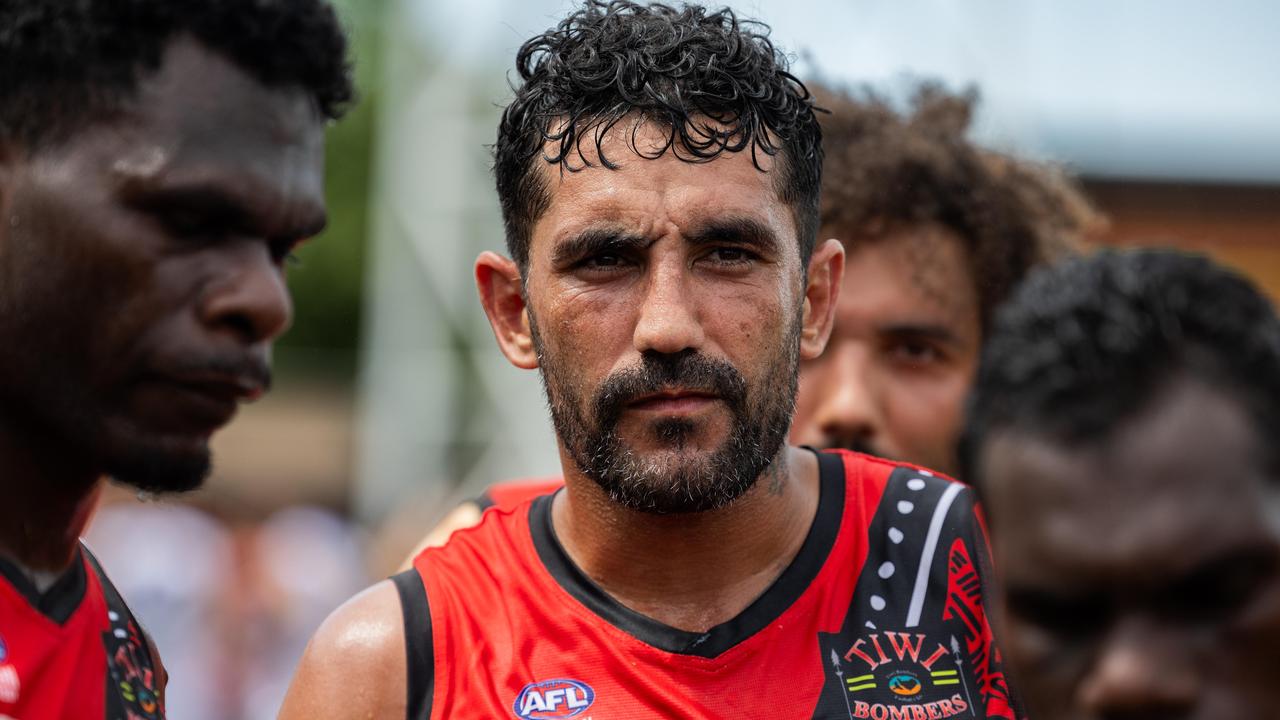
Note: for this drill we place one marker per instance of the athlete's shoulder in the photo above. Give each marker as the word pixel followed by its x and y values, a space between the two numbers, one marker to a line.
pixel 355 665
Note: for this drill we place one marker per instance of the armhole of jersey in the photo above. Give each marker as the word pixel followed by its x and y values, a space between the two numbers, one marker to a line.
pixel 418 643
pixel 116 602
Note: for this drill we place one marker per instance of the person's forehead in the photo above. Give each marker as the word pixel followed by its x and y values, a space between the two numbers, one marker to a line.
pixel 907 273
pixel 203 101
pixel 645 189
pixel 200 122
pixel 1181 478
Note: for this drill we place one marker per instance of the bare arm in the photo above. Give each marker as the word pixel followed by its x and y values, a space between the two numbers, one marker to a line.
pixel 354 666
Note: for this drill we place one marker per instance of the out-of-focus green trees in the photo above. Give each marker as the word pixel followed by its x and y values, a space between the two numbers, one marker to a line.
pixel 328 281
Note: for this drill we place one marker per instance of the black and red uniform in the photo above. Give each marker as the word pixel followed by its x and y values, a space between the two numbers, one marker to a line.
pixel 75 651
pixel 880 615
pixel 507 495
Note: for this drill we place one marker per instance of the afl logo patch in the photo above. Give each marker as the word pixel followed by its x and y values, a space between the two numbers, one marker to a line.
pixel 553 699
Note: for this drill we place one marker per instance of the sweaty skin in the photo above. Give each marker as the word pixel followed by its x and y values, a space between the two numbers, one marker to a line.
pixel 707 262
pixel 894 375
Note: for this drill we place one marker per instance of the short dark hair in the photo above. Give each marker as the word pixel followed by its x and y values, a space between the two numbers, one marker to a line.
pixel 715 82
pixel 887 169
pixel 66 64
pixel 1087 344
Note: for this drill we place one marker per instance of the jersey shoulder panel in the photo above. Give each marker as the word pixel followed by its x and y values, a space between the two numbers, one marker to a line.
pixel 507 495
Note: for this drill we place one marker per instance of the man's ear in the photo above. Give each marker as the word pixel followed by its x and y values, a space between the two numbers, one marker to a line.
pixel 826 271
pixel 502 295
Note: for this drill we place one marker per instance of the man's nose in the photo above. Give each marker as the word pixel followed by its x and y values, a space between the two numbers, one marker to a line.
pixel 248 297
pixel 668 320
pixel 848 414
pixel 1142 671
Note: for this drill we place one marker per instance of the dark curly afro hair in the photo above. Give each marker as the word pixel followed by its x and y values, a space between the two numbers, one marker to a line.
pixel 65 64
pixel 715 82
pixel 1087 344
pixel 886 170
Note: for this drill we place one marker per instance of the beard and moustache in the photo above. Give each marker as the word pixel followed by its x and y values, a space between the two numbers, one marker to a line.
pixel 675 481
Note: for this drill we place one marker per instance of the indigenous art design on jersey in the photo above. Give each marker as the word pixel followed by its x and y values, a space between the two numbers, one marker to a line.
pixel 916 644
pixel 880 615
pixel 132 691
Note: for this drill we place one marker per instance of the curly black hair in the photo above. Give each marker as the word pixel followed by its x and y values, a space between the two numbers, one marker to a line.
pixel 1087 344
pixel 66 64
pixel 885 170
pixel 713 81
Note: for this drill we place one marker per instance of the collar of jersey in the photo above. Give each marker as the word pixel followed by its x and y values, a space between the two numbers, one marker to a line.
pixel 60 601
pixel 784 591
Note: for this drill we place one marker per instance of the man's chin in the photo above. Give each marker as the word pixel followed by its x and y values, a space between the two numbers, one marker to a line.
pixel 671 481
pixel 161 465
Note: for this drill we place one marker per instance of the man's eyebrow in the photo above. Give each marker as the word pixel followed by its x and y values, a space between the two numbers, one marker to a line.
pixel 236 209
pixel 936 332
pixel 744 231
pixel 594 241
pixel 1256 557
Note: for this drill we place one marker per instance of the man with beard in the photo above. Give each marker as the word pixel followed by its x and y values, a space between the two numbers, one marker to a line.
pixel 158 163
pixel 937 232
pixel 659 173
pixel 1123 432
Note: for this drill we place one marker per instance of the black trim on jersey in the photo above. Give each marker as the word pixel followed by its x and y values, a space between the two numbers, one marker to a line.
pixel 60 601
pixel 418 643
pixel 784 591
pixel 145 658
pixel 484 501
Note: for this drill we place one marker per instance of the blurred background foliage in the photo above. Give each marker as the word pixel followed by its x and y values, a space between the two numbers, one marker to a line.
pixel 328 281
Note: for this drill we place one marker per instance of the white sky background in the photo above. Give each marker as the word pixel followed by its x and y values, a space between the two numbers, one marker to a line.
pixel 1172 89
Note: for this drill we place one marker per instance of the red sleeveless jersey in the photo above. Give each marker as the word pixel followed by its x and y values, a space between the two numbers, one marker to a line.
pixel 74 652
pixel 880 615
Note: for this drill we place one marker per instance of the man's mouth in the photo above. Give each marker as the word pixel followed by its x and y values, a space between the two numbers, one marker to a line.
pixel 673 401
pixel 198 402
pixel 227 386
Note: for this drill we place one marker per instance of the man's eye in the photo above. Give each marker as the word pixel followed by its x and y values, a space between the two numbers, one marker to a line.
pixel 915 352
pixel 1064 616
pixel 186 224
pixel 282 252
pixel 730 255
pixel 604 262
pixel 1222 590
